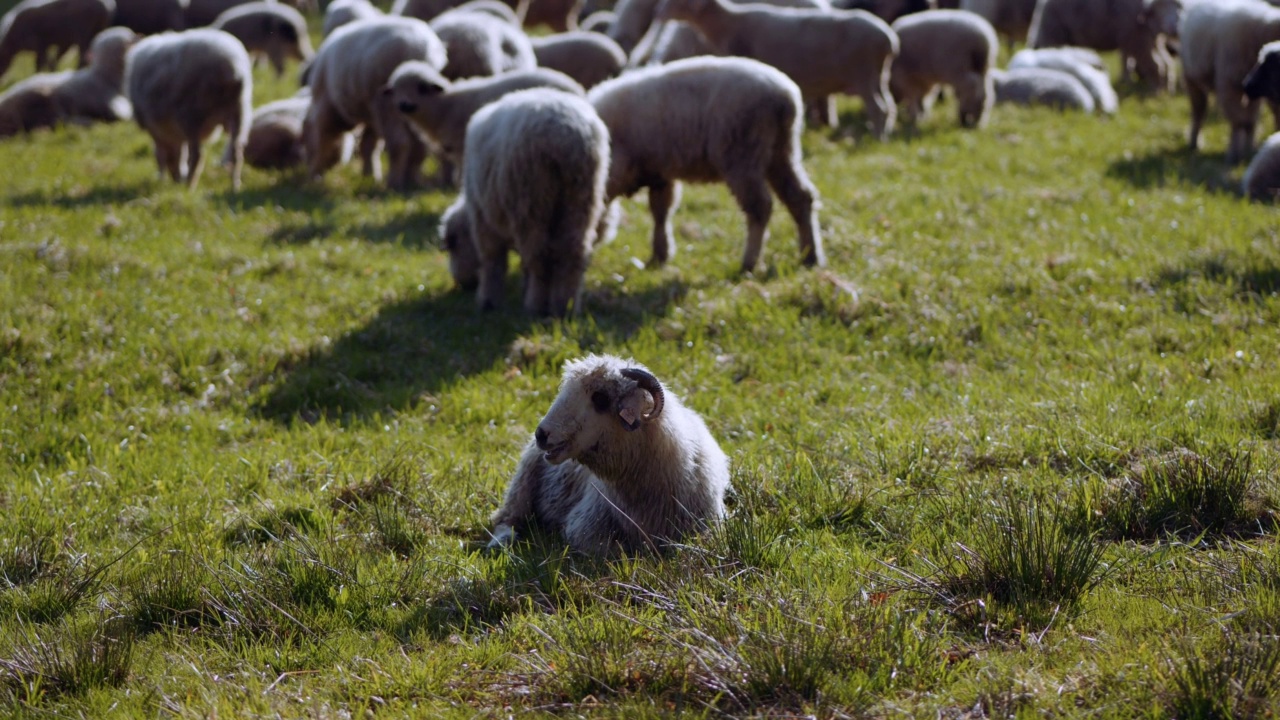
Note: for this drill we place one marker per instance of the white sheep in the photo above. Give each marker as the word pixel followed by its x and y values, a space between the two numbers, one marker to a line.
pixel 342 12
pixel 1010 18
pixel 1106 25
pixel 50 28
pixel 1078 62
pixel 587 57
pixel 275 134
pixel 731 120
pixel 479 44
pixel 1221 41
pixel 534 182
pixel 944 47
pixel 269 29
pixel 671 40
pixel 1041 86
pixel 184 86
pixel 823 51
pixel 617 463
pixel 91 94
pixel 347 78
pixel 1262 179
pixel 632 22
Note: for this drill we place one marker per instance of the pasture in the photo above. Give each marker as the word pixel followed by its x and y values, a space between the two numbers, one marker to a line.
pixel 1013 452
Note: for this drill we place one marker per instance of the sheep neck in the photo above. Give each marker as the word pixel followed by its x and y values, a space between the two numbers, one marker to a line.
pixel 717 21
pixel 640 471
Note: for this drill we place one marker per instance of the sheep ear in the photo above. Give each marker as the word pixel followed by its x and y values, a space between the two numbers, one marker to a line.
pixel 629 410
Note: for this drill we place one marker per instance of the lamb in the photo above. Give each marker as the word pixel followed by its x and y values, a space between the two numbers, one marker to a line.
pixel 479 44
pixel 341 12
pixel 1041 86
pixel 673 40
pixel 49 28
pixel 841 51
pixel 734 120
pixel 269 29
pixel 1106 25
pixel 617 463
pixel 1221 42
pixel 534 181
pixel 275 134
pixel 1262 179
pixel 185 85
pixel 589 58
pixel 86 95
pixel 500 10
pixel 347 78
pixel 1010 18
pixel 441 110
pixel 1078 62
pixel 944 47
pixel 601 22
pixel 148 17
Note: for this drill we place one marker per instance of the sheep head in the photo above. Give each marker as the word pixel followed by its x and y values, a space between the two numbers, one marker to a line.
pixel 1162 16
pixel 455 237
pixel 413 85
pixel 1264 79
pixel 601 399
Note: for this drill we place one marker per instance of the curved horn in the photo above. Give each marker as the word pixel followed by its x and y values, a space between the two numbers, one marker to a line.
pixel 648 382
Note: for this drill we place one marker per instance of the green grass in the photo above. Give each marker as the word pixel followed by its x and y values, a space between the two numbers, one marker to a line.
pixel 1013 452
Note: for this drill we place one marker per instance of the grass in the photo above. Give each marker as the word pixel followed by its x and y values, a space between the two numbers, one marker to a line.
pixel 250 442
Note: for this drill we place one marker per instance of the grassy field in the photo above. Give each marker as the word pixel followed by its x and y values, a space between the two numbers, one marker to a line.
pixel 1013 453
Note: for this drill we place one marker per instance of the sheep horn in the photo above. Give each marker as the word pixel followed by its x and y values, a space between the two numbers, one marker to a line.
pixel 648 382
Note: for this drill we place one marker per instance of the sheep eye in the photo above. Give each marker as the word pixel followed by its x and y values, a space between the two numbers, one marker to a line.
pixel 600 399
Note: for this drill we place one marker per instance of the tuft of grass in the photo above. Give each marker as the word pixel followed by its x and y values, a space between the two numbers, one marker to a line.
pixel 71 661
pixel 271 526
pixel 170 593
pixel 1237 676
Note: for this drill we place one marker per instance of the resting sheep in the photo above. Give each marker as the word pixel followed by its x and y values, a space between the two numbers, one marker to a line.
pixel 275 134
pixel 1262 179
pixel 341 12
pixel 823 51
pixel 479 44
pixel 1041 86
pixel 1221 41
pixel 1106 25
pixel 1010 18
pixel 348 75
pixel 86 95
pixel 269 29
pixel 944 47
pixel 1078 62
pixel 589 58
pixel 185 85
pixel 730 120
pixel 49 28
pixel 617 463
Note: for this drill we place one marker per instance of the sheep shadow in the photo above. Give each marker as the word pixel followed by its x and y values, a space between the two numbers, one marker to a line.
pixel 1174 166
pixel 414 349
pixel 113 194
pixel 1248 276
pixel 290 191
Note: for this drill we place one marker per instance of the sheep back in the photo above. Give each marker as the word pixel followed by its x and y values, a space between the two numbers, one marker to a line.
pixel 147 17
pixel 479 44
pixel 185 84
pixel 1011 18
pixel 587 57
pixel 1069 60
pixel 354 63
pixel 1041 86
pixel 269 28
pixel 342 12
pixel 945 47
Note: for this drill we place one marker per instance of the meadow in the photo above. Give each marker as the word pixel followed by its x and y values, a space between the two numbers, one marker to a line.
pixel 1012 453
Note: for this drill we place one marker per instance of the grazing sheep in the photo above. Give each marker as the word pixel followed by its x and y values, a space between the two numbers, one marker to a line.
pixel 479 44
pixel 589 58
pixel 1221 41
pixel 887 10
pixel 1106 25
pixel 944 47
pixel 204 12
pixel 1041 86
pixel 49 28
pixel 731 120
pixel 534 182
pixel 671 40
pixel 599 22
pixel 1078 62
pixel 1262 179
pixel 341 12
pixel 148 17
pixel 348 75
pixel 1010 18
pixel 617 463
pixel 275 134
pixel 269 29
pixel 840 51
pixel 92 94
pixel 185 85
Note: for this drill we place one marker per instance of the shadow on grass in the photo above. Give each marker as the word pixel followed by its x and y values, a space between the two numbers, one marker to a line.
pixel 97 195
pixel 1173 166
pixel 414 348
pixel 1249 276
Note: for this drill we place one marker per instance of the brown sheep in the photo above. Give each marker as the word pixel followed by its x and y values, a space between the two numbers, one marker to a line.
pixel 50 28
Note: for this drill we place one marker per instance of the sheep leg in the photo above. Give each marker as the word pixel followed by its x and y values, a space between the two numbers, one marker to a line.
pixel 664 198
pixel 1242 114
pixel 1199 106
pixel 787 178
pixel 822 111
pixel 195 162
pixel 168 159
pixel 323 130
pixel 1147 68
pixel 406 151
pixel 370 149
pixel 537 274
pixel 753 197
pixel 880 107
pixel 563 278
pixel 517 505
pixel 493 264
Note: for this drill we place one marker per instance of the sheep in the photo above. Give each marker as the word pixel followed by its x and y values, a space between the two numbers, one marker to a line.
pixel 148 17
pixel 1221 41
pixel 600 22
pixel 441 109
pixel 674 40
pixel 1078 62
pixel 1262 179
pixel 1010 18
pixel 348 75
pixel 269 28
pixel 822 51
pixel 201 13
pixel 533 181
pixel 86 95
pixel 341 12
pixel 1105 25
pixel 734 120
pixel 887 10
pixel 617 463
pixel 1041 86
pixel 479 44
pixel 589 58
pixel 185 85
pixel 632 22
pixel 49 28
pixel 951 47
pixel 275 134
pixel 500 10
